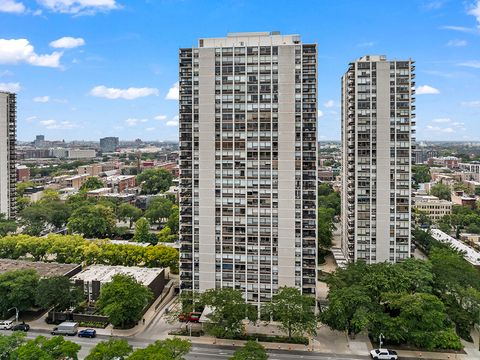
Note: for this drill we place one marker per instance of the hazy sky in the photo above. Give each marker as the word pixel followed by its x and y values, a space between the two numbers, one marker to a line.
pixel 84 69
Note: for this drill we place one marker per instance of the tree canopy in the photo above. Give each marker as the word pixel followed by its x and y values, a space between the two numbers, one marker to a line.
pixel 158 209
pixel 229 310
pixel 92 183
pixel 154 181
pixel 123 300
pixel 169 349
pixel 142 231
pixel 441 191
pixel 92 221
pixel 294 311
pixel 18 290
pixel 113 349
pixel 251 351
pixel 58 292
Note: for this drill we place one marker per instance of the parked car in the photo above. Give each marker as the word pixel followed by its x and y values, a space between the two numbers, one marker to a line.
pixel 6 324
pixel 190 317
pixel 66 328
pixel 384 354
pixel 21 327
pixel 89 333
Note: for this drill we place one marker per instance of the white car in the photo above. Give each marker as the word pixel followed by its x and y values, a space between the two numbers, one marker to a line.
pixel 6 324
pixel 384 354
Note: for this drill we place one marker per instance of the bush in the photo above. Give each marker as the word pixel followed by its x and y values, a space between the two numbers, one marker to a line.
pixel 93 324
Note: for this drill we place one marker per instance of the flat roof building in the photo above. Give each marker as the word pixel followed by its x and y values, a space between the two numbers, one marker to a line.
pixel 377 140
pixel 8 139
pixel 248 164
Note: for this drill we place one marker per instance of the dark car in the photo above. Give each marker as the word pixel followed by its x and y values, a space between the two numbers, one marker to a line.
pixel 21 327
pixel 88 333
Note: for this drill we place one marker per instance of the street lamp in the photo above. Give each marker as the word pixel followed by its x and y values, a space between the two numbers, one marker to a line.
pixel 16 312
pixel 380 339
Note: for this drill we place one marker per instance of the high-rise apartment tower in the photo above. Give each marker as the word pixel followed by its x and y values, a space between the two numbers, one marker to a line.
pixel 8 174
pixel 248 164
pixel 377 140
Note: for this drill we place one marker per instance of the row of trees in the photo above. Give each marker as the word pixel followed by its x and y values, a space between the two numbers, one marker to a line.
pixel 76 249
pixel 17 347
pixel 94 218
pixel 293 310
pixel 328 209
pixel 24 290
pixel 417 302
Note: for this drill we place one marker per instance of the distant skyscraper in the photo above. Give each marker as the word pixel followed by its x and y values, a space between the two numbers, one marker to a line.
pixel 8 118
pixel 248 164
pixel 39 141
pixel 377 139
pixel 109 144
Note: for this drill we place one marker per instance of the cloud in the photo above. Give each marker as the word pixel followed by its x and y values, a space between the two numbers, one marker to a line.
pixel 127 94
pixel 58 125
pixel 16 51
pixel 329 104
pixel 79 7
pixel 442 120
pixel 472 63
pixel 10 87
pixel 173 122
pixel 173 92
pixel 463 29
pixel 320 113
pixel 67 42
pixel 134 122
pixel 150 129
pixel 475 11
pixel 426 89
pixel 6 73
pixel 433 5
pixel 447 130
pixel 457 43
pixel 41 99
pixel 475 103
pixel 31 118
pixel 160 117
pixel 366 44
pixel 11 6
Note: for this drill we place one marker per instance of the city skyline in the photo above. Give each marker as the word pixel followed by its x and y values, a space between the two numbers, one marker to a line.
pixel 106 69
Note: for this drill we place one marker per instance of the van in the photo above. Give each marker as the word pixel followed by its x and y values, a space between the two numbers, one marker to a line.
pixel 6 324
pixel 66 328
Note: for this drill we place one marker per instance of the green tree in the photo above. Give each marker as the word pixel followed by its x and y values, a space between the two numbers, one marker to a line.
pixel 49 195
pixel 294 311
pixel 142 231
pixel 41 348
pixel 251 351
pixel 441 191
pixel 458 186
pixel 154 181
pixel 92 221
pixel 421 174
pixel 174 219
pixel 18 289
pixel 92 183
pixel 22 203
pixel 57 292
pixel 34 219
pixel 23 186
pixel 7 226
pixel 325 227
pixel 229 310
pixel 165 235
pixel 123 300
pixel 158 209
pixel 9 343
pixel 113 349
pixel 169 349
pixel 128 212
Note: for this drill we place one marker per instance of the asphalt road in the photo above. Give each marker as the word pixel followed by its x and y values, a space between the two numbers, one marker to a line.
pixel 198 352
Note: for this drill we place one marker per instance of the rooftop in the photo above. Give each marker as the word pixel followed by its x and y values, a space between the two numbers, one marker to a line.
pixel 105 273
pixel 471 255
pixel 43 269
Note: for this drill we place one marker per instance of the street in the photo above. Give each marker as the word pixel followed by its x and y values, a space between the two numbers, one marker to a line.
pixel 199 352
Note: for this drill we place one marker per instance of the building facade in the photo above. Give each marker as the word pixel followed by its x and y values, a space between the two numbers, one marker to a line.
pixel 109 144
pixel 377 139
pixel 8 136
pixel 248 164
pixel 432 206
